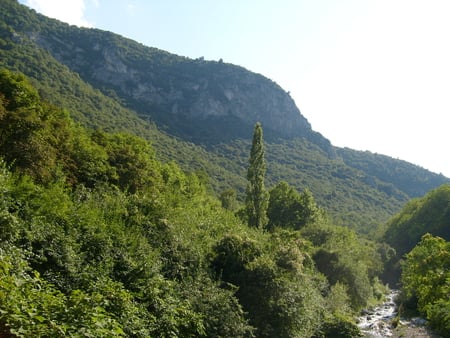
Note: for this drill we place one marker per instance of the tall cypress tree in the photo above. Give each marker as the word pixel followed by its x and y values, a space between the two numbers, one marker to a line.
pixel 257 198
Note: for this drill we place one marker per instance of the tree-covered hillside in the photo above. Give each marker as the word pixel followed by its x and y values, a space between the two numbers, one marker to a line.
pixel 110 83
pixel 99 238
pixel 418 239
pixel 428 214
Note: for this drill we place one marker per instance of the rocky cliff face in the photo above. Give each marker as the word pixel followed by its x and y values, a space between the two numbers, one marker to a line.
pixel 203 101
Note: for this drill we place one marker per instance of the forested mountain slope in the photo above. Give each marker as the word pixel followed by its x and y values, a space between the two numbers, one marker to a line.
pixel 427 214
pixel 430 213
pixel 420 261
pixel 206 110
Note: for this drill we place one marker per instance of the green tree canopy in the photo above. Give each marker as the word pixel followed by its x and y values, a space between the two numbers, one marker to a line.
pixel 426 278
pixel 287 208
pixel 257 198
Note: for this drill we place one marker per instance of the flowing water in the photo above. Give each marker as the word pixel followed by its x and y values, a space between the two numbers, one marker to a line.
pixel 376 322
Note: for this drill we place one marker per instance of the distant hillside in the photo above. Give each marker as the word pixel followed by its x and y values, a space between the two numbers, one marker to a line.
pixel 201 114
pixel 409 178
pixel 428 214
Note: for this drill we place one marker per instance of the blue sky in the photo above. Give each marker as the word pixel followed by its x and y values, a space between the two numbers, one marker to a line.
pixel 367 74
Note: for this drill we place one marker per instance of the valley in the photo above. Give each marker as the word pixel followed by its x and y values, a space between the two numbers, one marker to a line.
pixel 147 194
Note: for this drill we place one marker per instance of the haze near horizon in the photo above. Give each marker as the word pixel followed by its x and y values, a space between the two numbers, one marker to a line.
pixel 368 75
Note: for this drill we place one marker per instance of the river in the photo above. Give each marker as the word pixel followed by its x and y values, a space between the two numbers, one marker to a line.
pixel 376 322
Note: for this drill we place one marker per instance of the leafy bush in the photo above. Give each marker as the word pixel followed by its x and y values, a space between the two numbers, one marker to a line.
pixel 438 315
pixel 339 327
pixel 425 278
pixel 31 307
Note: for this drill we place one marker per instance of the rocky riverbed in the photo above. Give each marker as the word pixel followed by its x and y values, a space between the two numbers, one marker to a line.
pixel 377 322
pixel 413 328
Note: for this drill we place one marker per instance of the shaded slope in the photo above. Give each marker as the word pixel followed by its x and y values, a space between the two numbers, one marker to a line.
pixel 413 180
pixel 428 214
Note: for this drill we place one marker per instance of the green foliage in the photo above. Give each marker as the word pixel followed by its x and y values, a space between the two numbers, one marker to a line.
pixel 225 316
pixel 338 300
pixel 393 175
pixel 133 160
pixel 426 276
pixel 426 270
pixel 257 198
pixel 340 327
pixel 428 214
pixel 84 160
pixel 275 287
pixel 345 259
pixel 105 268
pixel 41 141
pixel 350 196
pixel 438 315
pixel 289 209
pixel 96 249
pixel 31 306
pixel 228 199
pixel 21 125
pixel 17 91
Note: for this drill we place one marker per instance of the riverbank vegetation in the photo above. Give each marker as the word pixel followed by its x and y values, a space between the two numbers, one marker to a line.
pixel 420 234
pixel 426 282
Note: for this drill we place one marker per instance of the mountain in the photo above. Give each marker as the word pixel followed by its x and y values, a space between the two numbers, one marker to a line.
pixel 177 92
pixel 201 114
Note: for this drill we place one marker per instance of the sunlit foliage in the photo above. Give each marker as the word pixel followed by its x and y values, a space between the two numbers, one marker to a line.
pixel 426 278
